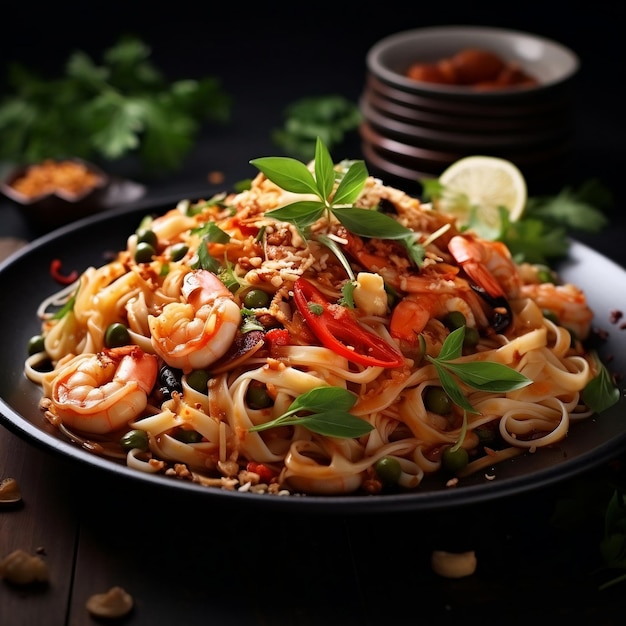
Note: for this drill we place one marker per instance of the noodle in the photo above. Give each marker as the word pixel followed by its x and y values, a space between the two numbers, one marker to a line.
pixel 190 317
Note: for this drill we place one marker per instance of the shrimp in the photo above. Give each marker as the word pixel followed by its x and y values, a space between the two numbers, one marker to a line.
pixel 195 333
pixel 489 265
pixel 100 393
pixel 412 313
pixel 568 302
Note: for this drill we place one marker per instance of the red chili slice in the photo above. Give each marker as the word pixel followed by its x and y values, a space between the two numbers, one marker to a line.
pixel 338 330
pixel 64 279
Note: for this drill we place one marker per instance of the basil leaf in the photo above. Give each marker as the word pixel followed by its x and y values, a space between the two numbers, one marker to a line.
pixel 452 346
pixel 600 392
pixel 371 223
pixel 335 424
pixel 324 170
pixel 486 376
pixel 323 399
pixel 451 387
pixel 351 184
pixel 289 174
pixel 302 213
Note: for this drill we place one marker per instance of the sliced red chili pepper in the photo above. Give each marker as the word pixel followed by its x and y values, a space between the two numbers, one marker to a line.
pixel 277 337
pixel 265 473
pixel 64 279
pixel 338 330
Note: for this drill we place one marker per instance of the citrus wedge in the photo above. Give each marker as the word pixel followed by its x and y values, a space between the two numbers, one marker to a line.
pixel 476 186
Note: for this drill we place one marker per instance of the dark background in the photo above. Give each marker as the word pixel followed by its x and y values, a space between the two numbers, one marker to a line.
pixel 267 55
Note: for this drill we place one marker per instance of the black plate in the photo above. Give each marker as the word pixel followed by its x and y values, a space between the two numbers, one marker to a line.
pixel 25 281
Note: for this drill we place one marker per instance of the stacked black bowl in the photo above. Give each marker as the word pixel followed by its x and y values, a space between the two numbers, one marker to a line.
pixel 435 95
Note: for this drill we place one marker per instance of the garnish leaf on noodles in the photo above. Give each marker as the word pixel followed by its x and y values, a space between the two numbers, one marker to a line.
pixel 295 177
pixel 325 412
pixel 600 392
pixel 480 375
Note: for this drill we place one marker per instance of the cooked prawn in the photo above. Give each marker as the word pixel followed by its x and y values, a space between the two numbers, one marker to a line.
pixel 195 333
pixel 491 269
pixel 488 264
pixel 567 302
pixel 100 393
pixel 412 313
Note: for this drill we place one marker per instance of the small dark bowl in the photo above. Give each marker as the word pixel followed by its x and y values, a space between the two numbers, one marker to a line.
pixel 46 211
pixel 551 63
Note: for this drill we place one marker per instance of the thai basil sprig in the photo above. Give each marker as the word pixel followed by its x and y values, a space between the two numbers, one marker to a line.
pixel 294 176
pixel 480 375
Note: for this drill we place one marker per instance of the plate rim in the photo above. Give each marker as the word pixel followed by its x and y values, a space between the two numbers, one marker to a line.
pixel 426 500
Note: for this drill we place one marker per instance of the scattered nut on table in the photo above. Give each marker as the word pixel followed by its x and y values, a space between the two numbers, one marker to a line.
pixel 21 568
pixel 114 603
pixel 453 564
pixel 10 492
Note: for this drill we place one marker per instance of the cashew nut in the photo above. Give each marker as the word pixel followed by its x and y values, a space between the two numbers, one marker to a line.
pixel 114 603
pixel 21 568
pixel 10 492
pixel 453 564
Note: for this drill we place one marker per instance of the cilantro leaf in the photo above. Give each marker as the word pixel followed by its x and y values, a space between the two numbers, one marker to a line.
pixel 330 118
pixel 122 106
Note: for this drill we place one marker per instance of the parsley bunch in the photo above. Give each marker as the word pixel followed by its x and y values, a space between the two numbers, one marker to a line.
pixel 125 105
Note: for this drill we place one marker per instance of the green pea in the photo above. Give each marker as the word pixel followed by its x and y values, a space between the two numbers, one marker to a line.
pixel 486 436
pixel 454 320
pixel 36 344
pixel 545 274
pixel 258 398
pixel 146 235
pixel 144 252
pixel 256 299
pixel 199 381
pixel 178 251
pixel 454 460
pixel 187 435
pixel 135 439
pixel 471 337
pixel 388 469
pixel 437 400
pixel 116 335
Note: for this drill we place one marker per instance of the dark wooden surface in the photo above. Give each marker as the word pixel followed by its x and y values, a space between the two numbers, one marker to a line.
pixel 191 562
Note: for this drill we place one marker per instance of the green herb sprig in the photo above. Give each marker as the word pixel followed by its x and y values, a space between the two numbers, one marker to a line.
pixel 323 410
pixel 600 392
pixel 481 375
pixel 294 176
pixel 122 106
pixel 328 117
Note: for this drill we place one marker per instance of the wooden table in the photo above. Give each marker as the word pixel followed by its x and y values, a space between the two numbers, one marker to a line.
pixel 186 560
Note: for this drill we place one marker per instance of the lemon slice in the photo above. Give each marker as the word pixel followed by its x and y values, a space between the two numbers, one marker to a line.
pixel 475 186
